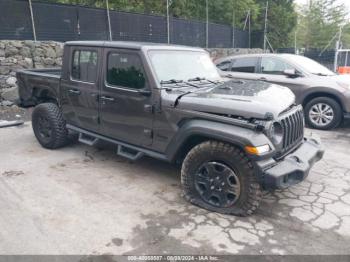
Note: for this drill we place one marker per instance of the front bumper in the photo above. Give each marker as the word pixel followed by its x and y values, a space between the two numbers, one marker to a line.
pixel 294 168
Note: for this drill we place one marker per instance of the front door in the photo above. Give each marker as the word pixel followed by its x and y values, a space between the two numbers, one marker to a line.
pixel 80 88
pixel 125 100
pixel 271 70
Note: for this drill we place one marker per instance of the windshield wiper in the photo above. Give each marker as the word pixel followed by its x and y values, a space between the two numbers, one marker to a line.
pixel 197 78
pixel 176 81
pixel 201 79
pixel 236 80
pixel 171 81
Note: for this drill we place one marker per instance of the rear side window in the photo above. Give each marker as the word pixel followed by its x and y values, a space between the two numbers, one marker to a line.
pixel 125 70
pixel 224 66
pixel 245 64
pixel 84 67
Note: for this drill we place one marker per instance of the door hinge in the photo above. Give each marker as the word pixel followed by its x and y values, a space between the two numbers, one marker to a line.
pixel 149 108
pixel 148 133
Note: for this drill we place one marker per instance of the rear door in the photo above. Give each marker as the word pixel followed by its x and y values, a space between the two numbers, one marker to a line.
pixel 125 109
pixel 80 89
pixel 245 67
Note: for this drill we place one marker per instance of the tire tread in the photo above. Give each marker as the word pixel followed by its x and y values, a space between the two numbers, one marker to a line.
pixel 254 194
pixel 60 132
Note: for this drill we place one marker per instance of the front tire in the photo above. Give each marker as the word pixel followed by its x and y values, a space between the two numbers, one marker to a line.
pixel 219 177
pixel 323 113
pixel 49 126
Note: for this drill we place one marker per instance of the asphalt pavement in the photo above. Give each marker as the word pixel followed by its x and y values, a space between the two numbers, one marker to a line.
pixel 85 200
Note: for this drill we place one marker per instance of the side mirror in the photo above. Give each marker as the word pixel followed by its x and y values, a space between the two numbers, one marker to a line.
pixel 291 73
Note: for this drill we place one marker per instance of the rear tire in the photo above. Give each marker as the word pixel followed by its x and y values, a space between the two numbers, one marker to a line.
pixel 323 113
pixel 219 177
pixel 49 126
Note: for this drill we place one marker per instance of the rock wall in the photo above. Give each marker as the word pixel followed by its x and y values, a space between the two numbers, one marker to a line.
pixel 217 53
pixel 15 55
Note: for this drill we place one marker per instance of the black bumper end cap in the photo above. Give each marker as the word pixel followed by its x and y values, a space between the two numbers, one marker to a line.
pixel 295 167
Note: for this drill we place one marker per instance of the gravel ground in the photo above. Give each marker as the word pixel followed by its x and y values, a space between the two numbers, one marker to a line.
pixel 84 200
pixel 14 112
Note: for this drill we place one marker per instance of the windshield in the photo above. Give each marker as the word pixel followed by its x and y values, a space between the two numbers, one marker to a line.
pixel 310 65
pixel 182 65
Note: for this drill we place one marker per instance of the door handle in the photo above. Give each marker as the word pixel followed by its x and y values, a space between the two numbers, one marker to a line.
pixel 263 79
pixel 145 92
pixel 107 98
pixel 94 95
pixel 74 91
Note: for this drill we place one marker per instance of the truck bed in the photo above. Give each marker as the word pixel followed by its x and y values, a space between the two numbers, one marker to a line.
pixel 34 84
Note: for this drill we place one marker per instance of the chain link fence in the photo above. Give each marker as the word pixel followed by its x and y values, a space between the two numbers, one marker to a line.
pixel 61 22
pixel 326 58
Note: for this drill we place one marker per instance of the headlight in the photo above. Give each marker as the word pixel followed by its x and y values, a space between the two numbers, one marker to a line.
pixel 276 133
pixel 257 150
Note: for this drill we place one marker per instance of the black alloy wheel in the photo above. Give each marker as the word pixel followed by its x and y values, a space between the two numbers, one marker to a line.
pixel 217 184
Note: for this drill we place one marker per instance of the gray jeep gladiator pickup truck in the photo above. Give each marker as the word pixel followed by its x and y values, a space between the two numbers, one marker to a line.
pixel 234 138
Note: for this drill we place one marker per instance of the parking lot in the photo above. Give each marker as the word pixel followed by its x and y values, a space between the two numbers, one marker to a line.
pixel 84 200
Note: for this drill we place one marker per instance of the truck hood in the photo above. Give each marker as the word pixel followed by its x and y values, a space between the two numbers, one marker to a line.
pixel 248 99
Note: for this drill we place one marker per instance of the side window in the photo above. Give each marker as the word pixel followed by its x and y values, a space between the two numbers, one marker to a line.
pixel 245 65
pixel 125 70
pixel 273 66
pixel 84 67
pixel 224 66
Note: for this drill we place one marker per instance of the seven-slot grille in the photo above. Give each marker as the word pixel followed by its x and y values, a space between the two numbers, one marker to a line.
pixel 293 127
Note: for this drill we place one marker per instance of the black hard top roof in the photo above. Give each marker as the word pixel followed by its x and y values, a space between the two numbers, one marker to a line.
pixel 132 45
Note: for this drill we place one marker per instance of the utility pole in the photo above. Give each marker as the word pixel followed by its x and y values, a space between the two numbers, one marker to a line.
pixel 207 24
pixel 249 30
pixel 337 46
pixel 247 21
pixel 32 18
pixel 265 25
pixel 295 42
pixel 168 20
pixel 109 22
pixel 233 27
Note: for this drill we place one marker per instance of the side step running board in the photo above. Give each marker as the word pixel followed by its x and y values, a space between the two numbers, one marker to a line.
pixel 126 150
pixel 129 153
pixel 123 151
pixel 86 139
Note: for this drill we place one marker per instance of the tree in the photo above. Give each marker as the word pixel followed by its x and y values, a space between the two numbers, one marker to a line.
pixel 319 21
pixel 346 36
pixel 281 22
pixel 281 13
pixel 220 11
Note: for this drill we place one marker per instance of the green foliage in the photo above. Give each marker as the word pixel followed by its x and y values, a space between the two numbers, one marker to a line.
pixel 319 21
pixel 282 17
pixel 346 36
pixel 220 11
pixel 281 21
